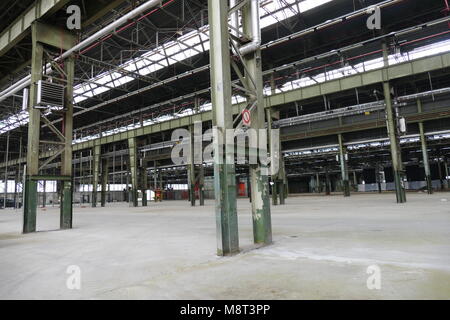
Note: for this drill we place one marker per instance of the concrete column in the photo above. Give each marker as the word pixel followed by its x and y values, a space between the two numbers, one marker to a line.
pixel 155 176
pixel 391 124
pixel 191 167
pixel 378 176
pixel 132 147
pixel 274 177
pixel 283 187
pixel 279 180
pixel 318 184
pixel 249 187
pixel 44 193
pixel 144 185
pixel 105 174
pixel 5 196
pixel 426 162
pixel 274 191
pixel 441 178
pixel 344 167
pixel 201 185
pixel 19 174
pixel 224 167
pixel 262 224
pixel 95 172
pixel 327 182
pixel 32 168
pixel 446 173
pixel 397 164
pixel 66 207
pixel 80 180
pixel 16 181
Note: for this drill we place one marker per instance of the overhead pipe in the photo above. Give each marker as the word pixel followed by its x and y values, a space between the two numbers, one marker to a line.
pixel 234 19
pixel 14 88
pixel 26 81
pixel 255 43
pixel 109 28
pixel 20 85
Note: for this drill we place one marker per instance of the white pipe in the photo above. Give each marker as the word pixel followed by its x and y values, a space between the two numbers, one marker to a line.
pixel 234 19
pixel 20 85
pixel 26 81
pixel 12 87
pixel 256 30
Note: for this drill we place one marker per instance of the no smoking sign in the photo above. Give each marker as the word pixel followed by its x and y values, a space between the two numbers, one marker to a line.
pixel 246 118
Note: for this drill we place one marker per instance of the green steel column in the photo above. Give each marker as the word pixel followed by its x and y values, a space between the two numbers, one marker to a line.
pixel 66 213
pixel 276 183
pixel 44 193
pixel 160 180
pixel 426 162
pixel 95 172
pixel 327 182
pixel 133 171
pixel 318 184
pixel 5 195
pixel 19 175
pixel 105 173
pixel 191 167
pixel 144 185
pixel 446 173
pixel 155 176
pixel 16 181
pixel 224 167
pixel 378 176
pixel 397 164
pixel 30 189
pixel 440 173
pixel 274 191
pixel 274 177
pixel 283 185
pixel 201 185
pixel 262 225
pixel 344 168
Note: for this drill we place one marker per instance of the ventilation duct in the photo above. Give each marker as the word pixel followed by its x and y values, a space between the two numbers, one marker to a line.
pixel 50 95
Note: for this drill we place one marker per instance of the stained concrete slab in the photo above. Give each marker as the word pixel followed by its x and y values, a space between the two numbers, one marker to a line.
pixel 322 249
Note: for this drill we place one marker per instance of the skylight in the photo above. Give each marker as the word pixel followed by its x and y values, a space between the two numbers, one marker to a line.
pixel 436 48
pixel 185 47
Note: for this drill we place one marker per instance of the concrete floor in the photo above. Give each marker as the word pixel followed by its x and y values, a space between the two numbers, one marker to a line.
pixel 322 248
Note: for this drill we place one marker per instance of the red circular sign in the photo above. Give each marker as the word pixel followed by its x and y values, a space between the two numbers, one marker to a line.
pixel 246 118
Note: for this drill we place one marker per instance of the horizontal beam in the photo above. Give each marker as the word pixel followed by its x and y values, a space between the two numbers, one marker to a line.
pixel 401 70
pixel 22 25
pixel 361 126
pixel 50 178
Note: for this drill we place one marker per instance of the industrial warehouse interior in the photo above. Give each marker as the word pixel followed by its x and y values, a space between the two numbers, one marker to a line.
pixel 224 150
